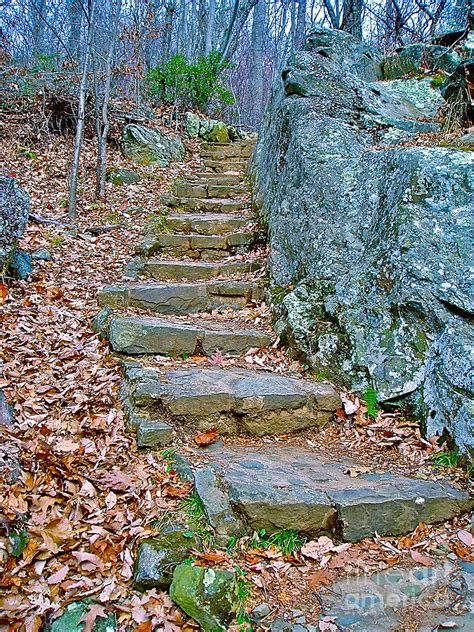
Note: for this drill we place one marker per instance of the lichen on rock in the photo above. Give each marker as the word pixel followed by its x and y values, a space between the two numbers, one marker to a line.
pixel 374 236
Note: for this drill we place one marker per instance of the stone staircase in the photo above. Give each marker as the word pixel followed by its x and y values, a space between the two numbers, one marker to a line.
pixel 198 257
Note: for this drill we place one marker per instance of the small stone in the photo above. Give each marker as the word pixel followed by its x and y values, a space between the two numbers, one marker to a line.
pixel 157 557
pixel 151 434
pixel 467 567
pixel 41 255
pixel 261 611
pixel 210 596
pixel 281 625
pixel 412 590
pixel 122 176
pixel 70 620
pixel 100 322
pixel 6 411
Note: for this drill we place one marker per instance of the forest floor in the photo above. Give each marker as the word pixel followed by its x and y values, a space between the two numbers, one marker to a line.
pixel 70 525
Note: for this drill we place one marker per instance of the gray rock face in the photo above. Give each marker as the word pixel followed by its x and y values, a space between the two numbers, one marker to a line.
pixel 149 146
pixel 375 239
pixel 14 212
pixel 234 401
pixel 293 488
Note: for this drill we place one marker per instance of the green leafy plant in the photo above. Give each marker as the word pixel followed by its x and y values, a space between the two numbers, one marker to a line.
pixel 371 401
pixel 44 63
pixel 169 457
pixel 28 153
pixel 448 458
pixel 287 540
pixel 18 542
pixel 56 240
pixel 196 518
pixel 184 84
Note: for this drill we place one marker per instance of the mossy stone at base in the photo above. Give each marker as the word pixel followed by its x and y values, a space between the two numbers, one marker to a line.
pixel 122 176
pixel 70 620
pixel 158 556
pixel 208 595
pixel 218 133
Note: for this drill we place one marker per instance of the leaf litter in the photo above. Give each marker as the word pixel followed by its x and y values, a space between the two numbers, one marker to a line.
pixel 84 495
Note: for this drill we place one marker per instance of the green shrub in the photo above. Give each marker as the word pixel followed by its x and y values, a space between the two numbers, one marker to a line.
pixel 184 84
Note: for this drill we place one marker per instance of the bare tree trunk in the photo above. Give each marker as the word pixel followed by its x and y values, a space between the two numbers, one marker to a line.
pixel 38 20
pixel 75 25
pixel 300 24
pixel 352 17
pixel 104 124
pixel 168 31
pixel 210 25
pixel 257 72
pixel 240 13
pixel 81 114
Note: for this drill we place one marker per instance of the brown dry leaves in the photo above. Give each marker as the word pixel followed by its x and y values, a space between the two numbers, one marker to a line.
pixel 85 495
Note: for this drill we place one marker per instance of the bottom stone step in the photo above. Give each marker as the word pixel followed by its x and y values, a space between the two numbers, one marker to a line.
pixel 246 488
pixel 142 335
pixel 234 401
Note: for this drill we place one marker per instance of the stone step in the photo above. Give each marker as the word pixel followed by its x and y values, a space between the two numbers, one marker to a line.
pixel 205 224
pixel 234 401
pixel 207 189
pixel 194 246
pixel 226 150
pixel 181 298
pixel 211 205
pixel 226 166
pixel 218 179
pixel 166 270
pixel 136 335
pixel 289 487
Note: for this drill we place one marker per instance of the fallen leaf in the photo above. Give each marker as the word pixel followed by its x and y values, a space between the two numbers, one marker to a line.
pixel 420 558
pixel 465 537
pixel 58 576
pixel 203 439
pixel 89 617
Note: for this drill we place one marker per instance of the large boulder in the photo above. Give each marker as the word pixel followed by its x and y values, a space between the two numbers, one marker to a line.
pixel 370 238
pixel 149 146
pixel 419 58
pixel 14 212
pixel 210 130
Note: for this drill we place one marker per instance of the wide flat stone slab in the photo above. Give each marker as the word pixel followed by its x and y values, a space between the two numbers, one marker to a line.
pixel 225 166
pixel 286 487
pixel 181 298
pixel 222 179
pixel 210 205
pixel 197 246
pixel 208 188
pixel 177 270
pixel 206 224
pixel 235 401
pixel 144 335
pixel 226 150
pixel 386 600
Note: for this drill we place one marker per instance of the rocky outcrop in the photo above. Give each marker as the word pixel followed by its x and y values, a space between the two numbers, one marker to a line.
pixel 14 212
pixel 149 146
pixel 418 58
pixel 210 130
pixel 370 241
